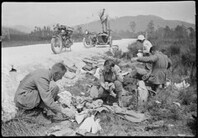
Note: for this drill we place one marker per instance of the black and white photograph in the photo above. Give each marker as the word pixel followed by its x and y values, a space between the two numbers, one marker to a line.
pixel 98 68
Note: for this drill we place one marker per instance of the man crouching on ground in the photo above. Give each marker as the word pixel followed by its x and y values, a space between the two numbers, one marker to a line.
pixel 111 81
pixel 35 91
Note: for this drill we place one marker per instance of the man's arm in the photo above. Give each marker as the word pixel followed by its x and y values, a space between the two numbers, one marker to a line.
pixel 118 73
pixel 46 96
pixel 101 80
pixel 149 59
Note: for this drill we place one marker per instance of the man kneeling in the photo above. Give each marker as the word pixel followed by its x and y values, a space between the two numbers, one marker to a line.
pixel 35 91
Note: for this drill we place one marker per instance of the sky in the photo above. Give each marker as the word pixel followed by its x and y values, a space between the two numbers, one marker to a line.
pixel 75 13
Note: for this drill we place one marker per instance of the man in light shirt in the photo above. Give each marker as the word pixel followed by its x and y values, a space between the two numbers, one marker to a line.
pixel 110 81
pixel 146 49
pixel 146 44
pixel 35 91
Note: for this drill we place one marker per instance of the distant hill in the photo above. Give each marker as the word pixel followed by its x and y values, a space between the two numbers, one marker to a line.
pixel 116 24
pixel 122 23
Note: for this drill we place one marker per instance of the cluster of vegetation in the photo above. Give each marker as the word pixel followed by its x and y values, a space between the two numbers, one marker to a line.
pixel 179 44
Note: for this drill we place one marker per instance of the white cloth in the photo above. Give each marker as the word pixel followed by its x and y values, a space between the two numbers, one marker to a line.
pixel 146 46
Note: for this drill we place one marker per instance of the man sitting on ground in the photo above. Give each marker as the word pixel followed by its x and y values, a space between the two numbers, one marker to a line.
pixel 111 81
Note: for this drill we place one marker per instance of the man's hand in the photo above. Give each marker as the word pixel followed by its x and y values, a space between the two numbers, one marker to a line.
pixel 111 86
pixel 68 112
pixel 112 94
pixel 106 86
pixel 146 76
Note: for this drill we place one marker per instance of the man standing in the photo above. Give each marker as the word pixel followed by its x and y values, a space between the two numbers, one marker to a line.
pixel 104 20
pixel 34 90
pixel 160 64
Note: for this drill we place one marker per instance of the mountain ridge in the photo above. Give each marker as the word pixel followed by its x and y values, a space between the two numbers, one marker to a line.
pixel 120 24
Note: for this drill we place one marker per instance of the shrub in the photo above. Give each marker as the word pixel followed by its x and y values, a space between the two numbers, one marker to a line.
pixel 188 96
pixel 133 49
pixel 165 109
pixel 174 49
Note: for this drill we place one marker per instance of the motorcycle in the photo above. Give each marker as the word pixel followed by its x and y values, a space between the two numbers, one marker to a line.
pixel 61 39
pixel 92 39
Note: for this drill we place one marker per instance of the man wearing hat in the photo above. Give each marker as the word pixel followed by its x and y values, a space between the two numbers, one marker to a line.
pixel 146 49
pixel 146 44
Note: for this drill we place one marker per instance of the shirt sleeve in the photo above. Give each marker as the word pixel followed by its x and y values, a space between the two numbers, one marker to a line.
pixel 118 73
pixel 101 76
pixel 45 93
pixel 149 59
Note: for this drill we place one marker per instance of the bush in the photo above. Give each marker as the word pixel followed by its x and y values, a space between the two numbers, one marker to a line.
pixel 165 109
pixel 174 49
pixel 133 49
pixel 188 96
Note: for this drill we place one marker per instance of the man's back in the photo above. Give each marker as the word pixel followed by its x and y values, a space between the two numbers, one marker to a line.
pixel 29 82
pixel 162 62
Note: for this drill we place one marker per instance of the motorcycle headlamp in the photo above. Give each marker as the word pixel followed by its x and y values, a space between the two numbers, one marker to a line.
pixel 86 32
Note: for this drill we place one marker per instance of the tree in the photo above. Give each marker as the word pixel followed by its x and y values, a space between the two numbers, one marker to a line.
pixel 192 33
pixel 150 28
pixel 132 25
pixel 167 32
pixel 180 32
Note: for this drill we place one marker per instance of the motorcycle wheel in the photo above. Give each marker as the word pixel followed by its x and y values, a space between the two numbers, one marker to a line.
pixel 56 45
pixel 87 42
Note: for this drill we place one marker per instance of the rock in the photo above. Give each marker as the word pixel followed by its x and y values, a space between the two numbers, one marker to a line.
pixel 79 117
pixel 87 124
pixel 170 125
pixel 82 93
pixel 94 92
pixel 178 104
pixel 81 132
pixel 96 126
pixel 63 132
pixel 155 125
pixel 65 98
pixel 97 103
pixel 142 94
pixel 70 75
pixel 158 102
pixel 126 100
pixel 100 109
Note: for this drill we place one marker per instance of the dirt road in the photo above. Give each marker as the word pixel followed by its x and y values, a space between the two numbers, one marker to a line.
pixel 41 55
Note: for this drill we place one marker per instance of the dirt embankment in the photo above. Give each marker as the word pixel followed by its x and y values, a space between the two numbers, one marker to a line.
pixel 31 57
